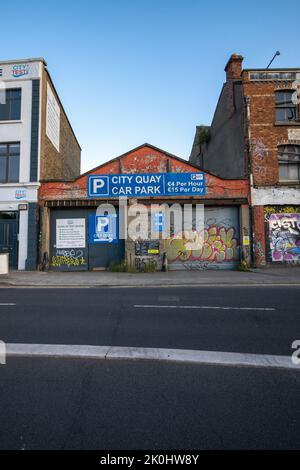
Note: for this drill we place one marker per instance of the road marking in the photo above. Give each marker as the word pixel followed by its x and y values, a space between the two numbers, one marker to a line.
pixel 202 285
pixel 218 358
pixel 168 298
pixel 7 304
pixel 205 307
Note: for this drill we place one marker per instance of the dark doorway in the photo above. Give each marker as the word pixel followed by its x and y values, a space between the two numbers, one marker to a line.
pixel 9 236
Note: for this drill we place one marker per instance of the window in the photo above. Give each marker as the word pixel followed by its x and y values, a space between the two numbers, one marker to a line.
pixel 10 110
pixel 9 163
pixel 289 162
pixel 286 109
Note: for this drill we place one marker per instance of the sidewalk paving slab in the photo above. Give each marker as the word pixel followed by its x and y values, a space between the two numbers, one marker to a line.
pixel 265 276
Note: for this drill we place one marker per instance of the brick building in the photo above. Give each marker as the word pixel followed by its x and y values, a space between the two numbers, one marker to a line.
pixel 255 134
pixel 37 143
pixel 68 212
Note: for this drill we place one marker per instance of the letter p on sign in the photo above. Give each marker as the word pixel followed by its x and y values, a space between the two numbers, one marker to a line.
pixel 102 222
pixel 97 184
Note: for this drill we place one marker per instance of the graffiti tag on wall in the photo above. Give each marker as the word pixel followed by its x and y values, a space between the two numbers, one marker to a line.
pixel 68 257
pixel 284 233
pixel 216 244
pixel 260 153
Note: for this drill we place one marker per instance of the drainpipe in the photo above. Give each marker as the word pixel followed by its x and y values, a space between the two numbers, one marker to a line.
pixel 248 102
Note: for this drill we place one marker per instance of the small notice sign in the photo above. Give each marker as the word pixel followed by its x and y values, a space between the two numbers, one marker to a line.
pixel 70 233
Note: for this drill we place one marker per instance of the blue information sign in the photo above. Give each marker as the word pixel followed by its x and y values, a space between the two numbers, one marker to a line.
pixel 158 222
pixel 103 229
pixel 146 185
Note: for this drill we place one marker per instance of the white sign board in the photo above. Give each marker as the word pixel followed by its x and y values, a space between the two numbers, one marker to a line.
pixel 70 233
pixel 52 118
pixel 23 71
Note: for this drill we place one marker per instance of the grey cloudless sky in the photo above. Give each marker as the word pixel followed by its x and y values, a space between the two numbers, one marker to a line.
pixel 135 71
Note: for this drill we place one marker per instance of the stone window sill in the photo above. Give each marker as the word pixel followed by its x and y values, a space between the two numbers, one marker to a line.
pixel 287 123
pixel 17 121
pixel 289 183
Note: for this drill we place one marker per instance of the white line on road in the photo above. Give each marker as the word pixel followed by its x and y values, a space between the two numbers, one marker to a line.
pixel 217 358
pixel 7 304
pixel 205 307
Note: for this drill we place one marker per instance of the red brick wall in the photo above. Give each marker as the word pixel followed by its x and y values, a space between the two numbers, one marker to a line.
pixel 145 160
pixel 265 134
pixel 259 236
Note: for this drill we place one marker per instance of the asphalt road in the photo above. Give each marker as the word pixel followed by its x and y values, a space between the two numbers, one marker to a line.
pixel 63 403
pixel 92 404
pixel 122 317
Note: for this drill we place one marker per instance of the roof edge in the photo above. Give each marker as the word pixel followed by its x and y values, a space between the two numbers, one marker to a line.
pixel 21 61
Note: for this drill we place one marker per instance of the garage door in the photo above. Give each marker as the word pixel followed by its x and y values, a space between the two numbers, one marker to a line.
pixel 217 248
pixel 73 247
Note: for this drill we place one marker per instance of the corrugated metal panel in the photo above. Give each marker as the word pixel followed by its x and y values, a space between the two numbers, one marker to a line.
pixel 218 247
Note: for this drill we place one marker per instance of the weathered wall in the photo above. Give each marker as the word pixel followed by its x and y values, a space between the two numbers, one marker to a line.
pixel 224 155
pixel 65 164
pixel 259 240
pixel 218 245
pixel 263 140
pixel 266 134
pixel 145 159
pixel 222 241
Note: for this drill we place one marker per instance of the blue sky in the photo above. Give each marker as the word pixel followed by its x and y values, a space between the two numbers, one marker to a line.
pixel 135 71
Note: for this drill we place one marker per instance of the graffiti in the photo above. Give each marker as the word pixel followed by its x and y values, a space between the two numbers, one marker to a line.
pixel 269 210
pixel 215 244
pixel 61 260
pixel 284 235
pixel 73 253
pixel 213 221
pixel 259 250
pixel 149 264
pixel 70 257
pixel 196 265
pixel 259 154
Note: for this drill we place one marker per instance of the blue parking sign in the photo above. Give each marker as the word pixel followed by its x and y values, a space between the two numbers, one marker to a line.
pixel 99 185
pixel 103 229
pixel 146 185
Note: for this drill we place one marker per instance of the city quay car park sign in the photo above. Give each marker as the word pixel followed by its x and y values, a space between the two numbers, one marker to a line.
pixel 146 185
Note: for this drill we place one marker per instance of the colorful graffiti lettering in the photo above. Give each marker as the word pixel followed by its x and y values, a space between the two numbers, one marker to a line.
pixel 284 235
pixel 258 249
pixel 216 244
pixel 61 260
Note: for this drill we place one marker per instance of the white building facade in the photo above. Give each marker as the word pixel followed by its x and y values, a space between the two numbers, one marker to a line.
pixel 20 116
pixel 37 143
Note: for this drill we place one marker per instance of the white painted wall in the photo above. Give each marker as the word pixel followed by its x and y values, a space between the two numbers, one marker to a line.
pixel 265 196
pixel 20 131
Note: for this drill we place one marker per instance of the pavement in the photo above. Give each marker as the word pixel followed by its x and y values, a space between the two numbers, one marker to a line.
pixel 272 275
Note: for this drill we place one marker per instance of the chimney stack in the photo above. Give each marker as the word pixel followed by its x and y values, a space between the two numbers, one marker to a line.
pixel 233 67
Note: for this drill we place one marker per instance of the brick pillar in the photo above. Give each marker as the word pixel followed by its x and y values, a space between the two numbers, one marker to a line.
pixel 233 67
pixel 245 234
pixel 259 242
